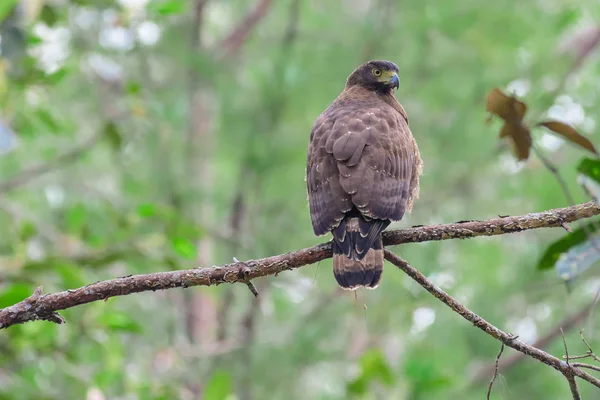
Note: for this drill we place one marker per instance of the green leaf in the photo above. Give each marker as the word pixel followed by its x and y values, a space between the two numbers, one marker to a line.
pixel 373 367
pixel 33 39
pixel 425 373
pixel 183 247
pixel 133 87
pixel 6 6
pixel 218 387
pixel 590 167
pixel 567 18
pixel 99 4
pixel 578 259
pixel 181 226
pixel 358 386
pixel 27 231
pixel 48 120
pixel 146 210
pixel 56 77
pixel 556 249
pixel 167 7
pixel 49 15
pixel 117 321
pixel 14 294
pixel 76 218
pixel 113 135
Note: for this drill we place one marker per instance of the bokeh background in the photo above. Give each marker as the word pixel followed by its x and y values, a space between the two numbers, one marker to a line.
pixel 152 135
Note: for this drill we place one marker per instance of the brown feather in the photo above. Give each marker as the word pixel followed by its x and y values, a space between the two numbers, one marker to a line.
pixel 352 274
pixel 362 162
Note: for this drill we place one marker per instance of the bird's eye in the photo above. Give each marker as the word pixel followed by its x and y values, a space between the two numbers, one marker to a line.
pixel 376 72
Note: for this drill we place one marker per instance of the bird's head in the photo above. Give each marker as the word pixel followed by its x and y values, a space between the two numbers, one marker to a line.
pixel 380 76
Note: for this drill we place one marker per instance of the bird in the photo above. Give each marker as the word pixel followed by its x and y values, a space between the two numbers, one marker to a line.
pixel 362 172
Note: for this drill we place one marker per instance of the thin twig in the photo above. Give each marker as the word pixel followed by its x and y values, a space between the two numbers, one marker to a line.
pixel 570 377
pixel 565 344
pixel 248 270
pixel 568 374
pixel 590 351
pixel 567 357
pixel 489 392
pixel 554 171
pixel 245 271
pixel 252 288
pixel 567 323
pixel 584 365
pixel 567 228
pixel 506 338
pixel 589 354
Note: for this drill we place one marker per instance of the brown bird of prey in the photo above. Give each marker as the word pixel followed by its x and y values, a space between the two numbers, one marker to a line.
pixel 362 172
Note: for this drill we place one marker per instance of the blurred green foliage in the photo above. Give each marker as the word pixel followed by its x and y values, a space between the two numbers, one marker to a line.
pixel 190 150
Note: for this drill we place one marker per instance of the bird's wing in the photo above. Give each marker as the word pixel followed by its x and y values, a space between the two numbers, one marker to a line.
pixel 364 157
pixel 327 199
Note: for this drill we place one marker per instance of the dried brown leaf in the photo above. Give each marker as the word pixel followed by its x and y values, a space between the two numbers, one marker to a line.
pixel 506 107
pixel 569 133
pixel 520 108
pixel 519 137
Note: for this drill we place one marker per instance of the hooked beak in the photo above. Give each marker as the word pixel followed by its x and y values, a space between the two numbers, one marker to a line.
pixel 395 81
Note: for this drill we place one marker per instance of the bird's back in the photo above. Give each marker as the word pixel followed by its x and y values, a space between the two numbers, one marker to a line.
pixel 363 168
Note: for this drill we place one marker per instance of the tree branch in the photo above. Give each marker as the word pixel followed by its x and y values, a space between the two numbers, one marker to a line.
pixel 491 384
pixel 44 306
pixel 584 365
pixel 573 387
pixel 492 227
pixel 509 340
pixel 569 376
pixel 566 324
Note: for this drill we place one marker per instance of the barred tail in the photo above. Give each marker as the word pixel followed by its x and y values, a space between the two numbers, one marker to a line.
pixel 358 253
